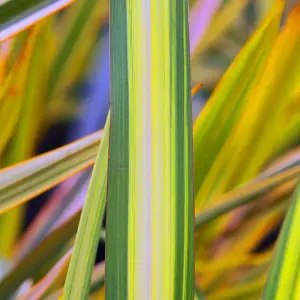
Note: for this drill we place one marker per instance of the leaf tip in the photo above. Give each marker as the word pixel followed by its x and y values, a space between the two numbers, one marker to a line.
pixel 196 88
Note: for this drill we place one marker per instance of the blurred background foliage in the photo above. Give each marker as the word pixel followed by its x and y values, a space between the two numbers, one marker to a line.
pixel 54 89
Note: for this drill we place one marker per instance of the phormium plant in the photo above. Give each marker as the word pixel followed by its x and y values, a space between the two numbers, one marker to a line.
pixel 189 206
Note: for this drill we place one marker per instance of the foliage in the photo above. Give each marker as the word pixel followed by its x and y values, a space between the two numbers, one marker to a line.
pixel 244 167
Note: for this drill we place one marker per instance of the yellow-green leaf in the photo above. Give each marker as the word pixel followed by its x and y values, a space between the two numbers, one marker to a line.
pixel 24 139
pixel 42 254
pixel 221 21
pixel 243 195
pixel 21 182
pixel 215 123
pixel 80 270
pixel 12 94
pixel 79 30
pixel 16 16
pixel 52 278
pixel 254 145
pixel 284 276
pixel 150 205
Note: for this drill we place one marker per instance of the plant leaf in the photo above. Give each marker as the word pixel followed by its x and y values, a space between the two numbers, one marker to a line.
pixel 219 116
pixel 24 139
pixel 63 200
pixel 80 270
pixel 254 145
pixel 222 20
pixel 200 17
pixel 79 28
pixel 97 282
pixel 17 15
pixel 243 195
pixel 284 279
pixel 12 94
pixel 57 273
pixel 21 182
pixel 150 204
pixel 29 265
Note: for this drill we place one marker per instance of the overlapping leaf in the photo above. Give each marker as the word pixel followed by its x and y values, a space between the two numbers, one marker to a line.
pixel 254 145
pixel 13 90
pixel 79 30
pixel 22 182
pixel 47 251
pixel 16 15
pixel 215 123
pixel 150 153
pixel 88 235
pixel 24 138
pixel 226 15
pixel 243 195
pixel 284 278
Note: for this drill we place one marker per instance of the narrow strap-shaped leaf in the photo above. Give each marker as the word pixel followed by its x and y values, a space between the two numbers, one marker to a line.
pixel 17 15
pixel 284 276
pixel 12 96
pixel 21 182
pixel 97 283
pixel 219 24
pixel 30 118
pixel 254 145
pixel 51 214
pixel 78 279
pixel 253 230
pixel 16 44
pixel 239 245
pixel 80 28
pixel 29 121
pixel 56 274
pixel 149 241
pixel 283 163
pixel 30 265
pixel 243 195
pixel 218 118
